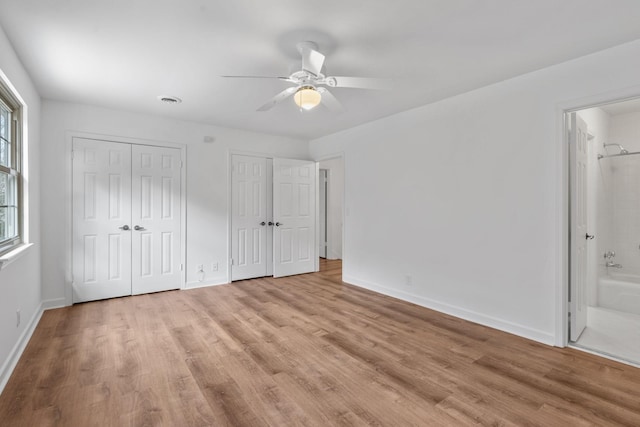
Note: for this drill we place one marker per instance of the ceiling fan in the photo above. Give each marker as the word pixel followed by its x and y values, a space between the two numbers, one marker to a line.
pixel 309 82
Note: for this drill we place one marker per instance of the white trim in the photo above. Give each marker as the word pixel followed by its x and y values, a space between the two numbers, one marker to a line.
pixel 15 254
pixel 562 198
pixel 10 91
pixel 17 350
pixel 316 260
pixel 183 213
pixel 605 355
pixel 230 154
pixel 69 136
pixel 14 355
pixel 340 155
pixel 49 304
pixel 197 285
pixel 462 313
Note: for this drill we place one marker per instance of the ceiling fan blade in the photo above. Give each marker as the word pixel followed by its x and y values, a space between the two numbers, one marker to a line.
pixel 257 77
pixel 278 98
pixel 330 101
pixel 312 60
pixel 358 82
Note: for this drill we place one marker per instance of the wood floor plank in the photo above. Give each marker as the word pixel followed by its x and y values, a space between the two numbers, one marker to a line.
pixel 305 350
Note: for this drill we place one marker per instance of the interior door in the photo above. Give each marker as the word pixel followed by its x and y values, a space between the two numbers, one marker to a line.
pixel 155 218
pixel 249 217
pixel 294 213
pixel 579 232
pixel 101 212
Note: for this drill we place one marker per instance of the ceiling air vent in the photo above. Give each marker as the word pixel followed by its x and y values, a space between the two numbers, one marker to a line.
pixel 170 99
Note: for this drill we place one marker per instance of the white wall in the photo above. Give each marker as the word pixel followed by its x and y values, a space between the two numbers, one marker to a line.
pixel 466 196
pixel 335 194
pixel 20 280
pixel 207 181
pixel 599 204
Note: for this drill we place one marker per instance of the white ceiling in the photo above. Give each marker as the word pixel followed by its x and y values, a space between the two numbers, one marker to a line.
pixel 124 53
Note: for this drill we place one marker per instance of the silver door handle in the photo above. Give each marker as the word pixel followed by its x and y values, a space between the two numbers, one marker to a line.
pixel 138 228
pixel 263 223
pixel 124 227
pixel 278 224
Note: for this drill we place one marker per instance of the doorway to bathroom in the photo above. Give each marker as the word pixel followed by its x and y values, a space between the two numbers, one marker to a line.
pixel 331 211
pixel 604 273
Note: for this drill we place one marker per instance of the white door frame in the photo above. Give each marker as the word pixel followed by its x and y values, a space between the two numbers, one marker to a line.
pixel 323 247
pixel 563 201
pixel 230 154
pixel 332 156
pixel 579 248
pixel 69 136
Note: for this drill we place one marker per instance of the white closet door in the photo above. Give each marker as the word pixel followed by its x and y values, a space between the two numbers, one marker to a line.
pixel 155 217
pixel 294 213
pixel 249 217
pixel 580 236
pixel 101 213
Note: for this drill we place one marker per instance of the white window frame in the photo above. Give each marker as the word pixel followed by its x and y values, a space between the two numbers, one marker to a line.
pixel 10 101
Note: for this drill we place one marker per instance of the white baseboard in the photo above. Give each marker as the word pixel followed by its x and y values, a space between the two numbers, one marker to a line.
pixel 462 313
pixel 49 304
pixel 196 285
pixel 17 350
pixel 12 360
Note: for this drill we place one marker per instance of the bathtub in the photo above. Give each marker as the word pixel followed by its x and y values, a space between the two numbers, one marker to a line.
pixel 620 292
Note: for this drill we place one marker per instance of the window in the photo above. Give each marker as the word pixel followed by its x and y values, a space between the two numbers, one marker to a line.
pixel 10 178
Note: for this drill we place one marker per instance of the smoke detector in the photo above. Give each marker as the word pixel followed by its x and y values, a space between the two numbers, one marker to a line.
pixel 169 99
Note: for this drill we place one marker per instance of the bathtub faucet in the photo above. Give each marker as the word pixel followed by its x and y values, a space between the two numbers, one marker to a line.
pixel 613 264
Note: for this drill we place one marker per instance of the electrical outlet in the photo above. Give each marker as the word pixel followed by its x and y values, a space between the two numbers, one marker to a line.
pixel 214 266
pixel 17 318
pixel 200 267
pixel 408 280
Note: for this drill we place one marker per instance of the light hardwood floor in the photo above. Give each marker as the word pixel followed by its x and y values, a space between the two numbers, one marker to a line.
pixel 305 350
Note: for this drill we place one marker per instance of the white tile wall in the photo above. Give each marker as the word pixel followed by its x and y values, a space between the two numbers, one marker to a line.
pixel 626 212
pixel 599 203
pixel 621 185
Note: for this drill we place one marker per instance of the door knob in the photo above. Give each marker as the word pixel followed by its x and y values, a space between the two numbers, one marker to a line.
pixel 263 223
pixel 589 236
pixel 270 223
pixel 124 227
pixel 278 224
pixel 138 228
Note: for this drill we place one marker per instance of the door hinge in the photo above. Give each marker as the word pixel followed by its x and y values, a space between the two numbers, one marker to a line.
pixel 181 267
pixel 231 259
pixel 181 164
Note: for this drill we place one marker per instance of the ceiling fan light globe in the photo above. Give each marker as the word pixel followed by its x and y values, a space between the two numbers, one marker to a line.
pixel 307 98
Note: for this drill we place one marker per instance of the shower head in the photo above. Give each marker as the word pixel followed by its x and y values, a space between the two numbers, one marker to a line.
pixel 622 149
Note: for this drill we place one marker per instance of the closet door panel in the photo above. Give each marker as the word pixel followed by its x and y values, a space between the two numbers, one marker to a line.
pixel 294 213
pixel 101 212
pixel 249 217
pixel 155 213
